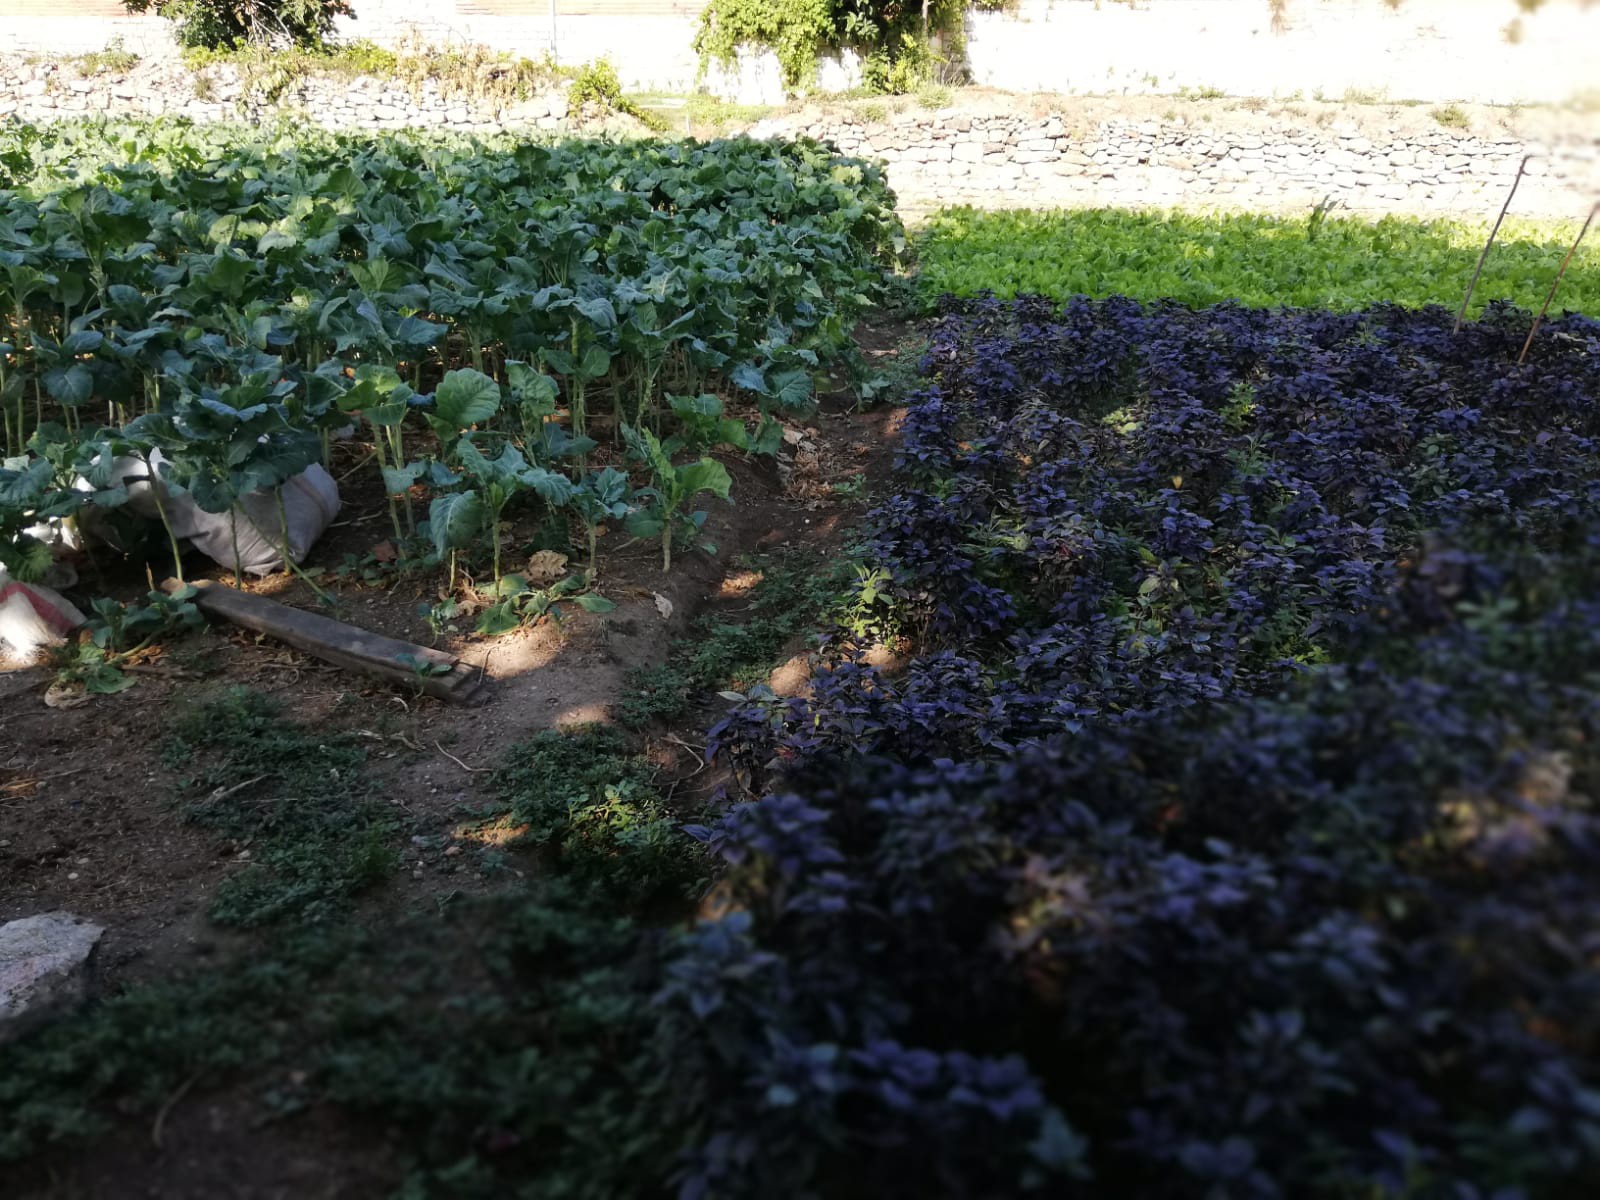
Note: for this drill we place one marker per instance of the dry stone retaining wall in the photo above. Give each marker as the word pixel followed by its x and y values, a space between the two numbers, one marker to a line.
pixel 1106 154
pixel 1485 51
pixel 45 90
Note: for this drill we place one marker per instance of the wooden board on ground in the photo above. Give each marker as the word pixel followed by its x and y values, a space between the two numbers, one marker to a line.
pixel 430 671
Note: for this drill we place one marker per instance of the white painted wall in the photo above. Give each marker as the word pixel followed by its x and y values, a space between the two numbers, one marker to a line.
pixel 34 34
pixel 1435 50
pixel 652 50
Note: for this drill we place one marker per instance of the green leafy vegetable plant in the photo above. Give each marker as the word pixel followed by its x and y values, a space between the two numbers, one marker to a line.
pixel 602 496
pixel 671 490
pixel 117 633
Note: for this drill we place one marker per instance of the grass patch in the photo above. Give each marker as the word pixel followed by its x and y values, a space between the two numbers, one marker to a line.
pixel 297 800
pixel 504 1046
pixel 790 597
pixel 1258 261
pixel 115 59
pixel 583 796
pixel 473 73
pixel 698 113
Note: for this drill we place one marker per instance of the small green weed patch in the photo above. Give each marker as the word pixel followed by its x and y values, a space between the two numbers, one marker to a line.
pixel 723 654
pixel 587 799
pixel 298 801
pixel 503 1046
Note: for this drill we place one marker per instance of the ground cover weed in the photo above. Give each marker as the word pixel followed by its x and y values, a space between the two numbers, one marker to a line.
pixel 1257 260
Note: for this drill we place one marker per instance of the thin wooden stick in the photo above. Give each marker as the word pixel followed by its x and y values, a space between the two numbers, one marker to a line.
pixel 672 737
pixel 459 763
pixel 1589 220
pixel 166 1109
pixel 223 793
pixel 1461 312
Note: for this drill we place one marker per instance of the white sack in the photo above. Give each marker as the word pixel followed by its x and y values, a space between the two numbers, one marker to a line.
pixel 310 501
pixel 33 617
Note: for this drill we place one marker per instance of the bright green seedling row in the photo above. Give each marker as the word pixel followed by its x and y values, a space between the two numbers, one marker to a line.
pixel 222 302
pixel 1258 261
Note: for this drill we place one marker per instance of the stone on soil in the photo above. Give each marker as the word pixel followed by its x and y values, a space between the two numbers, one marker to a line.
pixel 46 968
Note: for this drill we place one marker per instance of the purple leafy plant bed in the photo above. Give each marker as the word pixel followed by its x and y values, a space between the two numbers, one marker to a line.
pixel 1230 832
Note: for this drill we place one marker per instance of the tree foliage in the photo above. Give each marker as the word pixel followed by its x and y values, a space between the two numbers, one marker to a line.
pixel 215 24
pixel 894 39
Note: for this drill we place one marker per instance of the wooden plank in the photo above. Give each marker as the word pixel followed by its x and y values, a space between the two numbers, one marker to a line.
pixel 336 642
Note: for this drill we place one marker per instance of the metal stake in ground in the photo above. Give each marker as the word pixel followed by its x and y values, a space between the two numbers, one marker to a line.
pixel 1587 221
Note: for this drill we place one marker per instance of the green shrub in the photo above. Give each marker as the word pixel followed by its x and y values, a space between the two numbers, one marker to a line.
pixel 223 23
pixel 797 31
pixel 893 39
pixel 596 83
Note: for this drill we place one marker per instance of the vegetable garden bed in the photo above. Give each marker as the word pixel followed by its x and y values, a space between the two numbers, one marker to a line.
pixel 512 326
pixel 1338 263
pixel 1190 792
pixel 1231 831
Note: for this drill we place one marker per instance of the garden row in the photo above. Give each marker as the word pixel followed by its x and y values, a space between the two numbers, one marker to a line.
pixel 1317 261
pixel 1227 830
pixel 1230 831
pixel 220 304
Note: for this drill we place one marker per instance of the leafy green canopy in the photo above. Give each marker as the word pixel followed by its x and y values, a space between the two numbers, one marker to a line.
pixel 893 39
pixel 1255 260
pixel 215 24
pixel 224 300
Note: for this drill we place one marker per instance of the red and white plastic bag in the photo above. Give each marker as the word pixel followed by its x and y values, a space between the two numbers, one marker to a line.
pixel 33 618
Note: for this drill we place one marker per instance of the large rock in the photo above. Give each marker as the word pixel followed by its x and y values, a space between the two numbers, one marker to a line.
pixel 46 967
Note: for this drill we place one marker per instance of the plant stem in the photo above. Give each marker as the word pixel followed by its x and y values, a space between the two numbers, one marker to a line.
pixel 288 559
pixel 125 655
pixel 398 450
pixel 233 530
pixel 383 461
pixel 22 430
pixel 577 382
pixel 494 538
pixel 161 511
